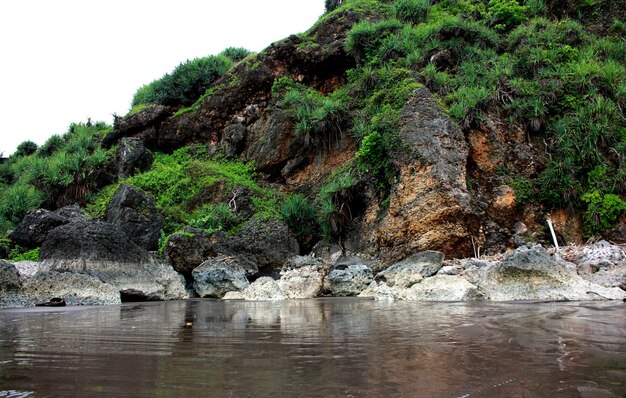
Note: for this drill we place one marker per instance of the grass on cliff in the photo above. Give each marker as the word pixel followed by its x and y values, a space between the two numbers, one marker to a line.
pixel 529 62
pixel 191 187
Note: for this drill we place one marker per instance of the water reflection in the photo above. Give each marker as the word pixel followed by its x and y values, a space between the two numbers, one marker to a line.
pixel 315 348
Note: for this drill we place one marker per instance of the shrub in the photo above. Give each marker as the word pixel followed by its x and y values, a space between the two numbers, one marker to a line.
pixel 603 210
pixel 212 218
pixel 236 54
pixel 30 255
pixel 24 149
pixel 187 82
pixel 331 5
pixel 506 14
pixel 333 203
pixel 299 215
pixel 365 37
pixel 53 144
pixel 412 11
pixel 18 200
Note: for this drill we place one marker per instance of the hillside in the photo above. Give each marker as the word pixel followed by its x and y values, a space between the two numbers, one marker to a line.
pixel 389 128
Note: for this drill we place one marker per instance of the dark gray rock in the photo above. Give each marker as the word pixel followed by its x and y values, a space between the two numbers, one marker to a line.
pixel 233 139
pixel 349 278
pixel 135 213
pixel 32 231
pixel 188 249
pixel 91 241
pixel 219 275
pixel 132 156
pixel 261 243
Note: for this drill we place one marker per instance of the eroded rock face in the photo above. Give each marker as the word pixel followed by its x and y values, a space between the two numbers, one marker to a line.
pixel 34 227
pixel 103 251
pixel 135 213
pixel 430 206
pixel 412 270
pixel 349 278
pixel 219 275
pixel 264 288
pixel 75 289
pixel 302 277
pixel 530 273
pixel 9 277
pixel 132 157
pixel 261 244
pixel 187 250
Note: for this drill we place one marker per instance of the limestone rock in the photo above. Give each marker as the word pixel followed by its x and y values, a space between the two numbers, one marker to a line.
pixel 264 288
pixel 188 249
pixel 603 252
pixel 443 288
pixel 301 277
pixel 349 279
pixel 530 273
pixel 219 275
pixel 9 277
pixel 33 229
pixel 75 289
pixel 412 269
pixel 135 213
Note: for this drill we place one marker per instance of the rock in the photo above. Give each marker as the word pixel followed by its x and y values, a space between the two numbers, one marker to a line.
pixel 27 268
pixel 430 206
pixel 301 277
pixel 135 213
pixel 261 243
pixel 233 139
pixel 443 288
pixel 219 275
pixel 143 124
pixel 9 277
pixel 264 288
pixel 11 287
pixel 412 269
pixel 349 278
pixel 103 251
pixel 530 273
pixel 132 156
pixel 32 231
pixel 234 295
pixel 75 289
pixel 187 249
pixel 603 253
pixel 448 270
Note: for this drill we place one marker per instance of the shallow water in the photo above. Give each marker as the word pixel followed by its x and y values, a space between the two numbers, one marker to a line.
pixel 315 348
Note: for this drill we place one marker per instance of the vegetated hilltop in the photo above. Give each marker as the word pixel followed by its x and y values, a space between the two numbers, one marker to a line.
pixel 390 127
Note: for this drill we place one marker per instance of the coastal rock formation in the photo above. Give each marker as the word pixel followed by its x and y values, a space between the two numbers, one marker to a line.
pixel 32 231
pixel 74 288
pixel 134 213
pixel 187 249
pixel 219 275
pixel 301 277
pixel 132 157
pixel 349 278
pixel 103 251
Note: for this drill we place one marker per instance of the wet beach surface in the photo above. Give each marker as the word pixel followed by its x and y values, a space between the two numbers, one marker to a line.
pixel 315 348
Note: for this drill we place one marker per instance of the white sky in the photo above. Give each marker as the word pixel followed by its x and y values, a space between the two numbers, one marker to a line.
pixel 63 61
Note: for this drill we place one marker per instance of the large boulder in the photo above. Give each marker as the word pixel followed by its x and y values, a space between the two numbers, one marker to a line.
pixel 349 277
pixel 302 277
pixel 264 288
pixel 530 273
pixel 187 249
pixel 132 157
pixel 219 275
pixel 412 270
pixel 34 227
pixel 102 250
pixel 261 243
pixel 135 213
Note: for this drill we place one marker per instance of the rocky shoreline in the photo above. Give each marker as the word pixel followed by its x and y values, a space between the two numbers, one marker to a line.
pixel 92 263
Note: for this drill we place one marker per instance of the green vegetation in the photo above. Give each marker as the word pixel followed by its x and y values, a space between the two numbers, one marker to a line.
pixel 31 255
pixel 299 214
pixel 522 61
pixel 63 170
pixel 189 80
